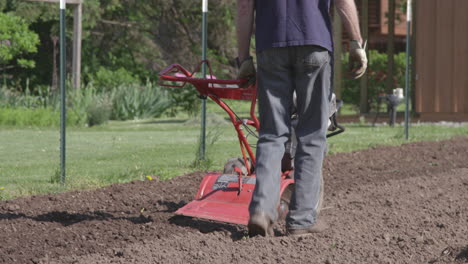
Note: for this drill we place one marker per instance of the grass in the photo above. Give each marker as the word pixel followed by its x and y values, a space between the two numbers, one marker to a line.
pixel 117 152
pixel 243 107
pixel 165 148
pixel 358 136
pixel 22 116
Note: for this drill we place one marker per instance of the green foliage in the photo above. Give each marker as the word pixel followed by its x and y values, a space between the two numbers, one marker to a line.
pixel 377 76
pixel 42 109
pixel 105 79
pixel 126 102
pixel 139 37
pixel 16 40
pixel 80 101
pixel 184 99
pixel 125 43
pixel 211 138
pixel 12 98
pixel 56 177
pixel 87 105
pixel 98 113
pixel 40 117
pixel 92 107
pixel 139 102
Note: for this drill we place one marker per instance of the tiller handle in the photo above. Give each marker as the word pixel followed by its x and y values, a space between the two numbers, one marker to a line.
pixel 217 90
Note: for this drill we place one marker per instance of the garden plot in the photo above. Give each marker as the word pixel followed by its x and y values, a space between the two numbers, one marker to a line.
pixel 404 204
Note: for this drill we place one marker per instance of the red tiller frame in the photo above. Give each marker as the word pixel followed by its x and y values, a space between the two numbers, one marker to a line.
pixel 217 90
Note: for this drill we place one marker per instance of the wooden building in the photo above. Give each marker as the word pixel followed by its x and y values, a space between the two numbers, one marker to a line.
pixel 378 25
pixel 441 72
pixel 440 53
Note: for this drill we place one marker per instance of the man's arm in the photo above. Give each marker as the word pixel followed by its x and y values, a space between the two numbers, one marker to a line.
pixel 244 21
pixel 357 55
pixel 349 15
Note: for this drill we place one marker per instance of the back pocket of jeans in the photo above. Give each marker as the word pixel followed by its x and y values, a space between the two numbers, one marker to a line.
pixel 316 58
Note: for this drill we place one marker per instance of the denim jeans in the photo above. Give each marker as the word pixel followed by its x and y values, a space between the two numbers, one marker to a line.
pixel 281 71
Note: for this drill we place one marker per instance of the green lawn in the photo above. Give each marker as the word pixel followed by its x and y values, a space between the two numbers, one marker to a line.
pixel 124 151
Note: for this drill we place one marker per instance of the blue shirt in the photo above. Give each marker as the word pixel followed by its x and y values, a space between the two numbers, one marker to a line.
pixel 284 23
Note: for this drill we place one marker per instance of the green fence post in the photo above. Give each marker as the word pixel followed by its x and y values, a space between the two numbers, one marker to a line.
pixel 63 118
pixel 408 55
pixel 203 106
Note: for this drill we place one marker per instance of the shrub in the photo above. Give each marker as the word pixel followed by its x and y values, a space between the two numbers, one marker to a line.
pixel 91 107
pixel 80 100
pixel 84 106
pixel 98 112
pixel 13 98
pixel 184 99
pixel 16 40
pixel 138 102
pixel 105 79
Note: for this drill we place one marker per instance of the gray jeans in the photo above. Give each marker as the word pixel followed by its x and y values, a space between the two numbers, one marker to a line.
pixel 281 71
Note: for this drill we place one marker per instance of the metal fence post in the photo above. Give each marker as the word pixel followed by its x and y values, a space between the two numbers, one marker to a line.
pixel 408 55
pixel 62 92
pixel 203 106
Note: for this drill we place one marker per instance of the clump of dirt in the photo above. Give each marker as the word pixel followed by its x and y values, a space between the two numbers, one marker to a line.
pixel 383 205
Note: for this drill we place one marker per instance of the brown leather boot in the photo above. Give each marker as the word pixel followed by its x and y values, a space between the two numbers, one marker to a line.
pixel 318 227
pixel 260 224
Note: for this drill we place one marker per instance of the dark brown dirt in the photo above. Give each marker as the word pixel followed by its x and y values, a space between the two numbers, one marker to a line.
pixel 403 204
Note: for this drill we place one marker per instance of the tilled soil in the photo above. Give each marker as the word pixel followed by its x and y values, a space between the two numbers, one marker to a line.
pixel 403 204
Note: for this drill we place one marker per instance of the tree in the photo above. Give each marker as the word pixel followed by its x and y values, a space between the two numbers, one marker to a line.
pixel 16 40
pixel 140 37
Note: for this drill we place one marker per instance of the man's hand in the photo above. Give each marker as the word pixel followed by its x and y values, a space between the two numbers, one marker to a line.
pixel 247 71
pixel 357 60
pixel 357 54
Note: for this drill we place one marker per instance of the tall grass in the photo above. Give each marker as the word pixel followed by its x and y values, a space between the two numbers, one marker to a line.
pixel 139 102
pixel 12 98
pixel 87 106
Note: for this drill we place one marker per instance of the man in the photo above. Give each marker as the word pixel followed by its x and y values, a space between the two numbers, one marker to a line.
pixel 294 47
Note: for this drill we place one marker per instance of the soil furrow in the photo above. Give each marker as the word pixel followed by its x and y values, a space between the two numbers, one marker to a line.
pixel 402 204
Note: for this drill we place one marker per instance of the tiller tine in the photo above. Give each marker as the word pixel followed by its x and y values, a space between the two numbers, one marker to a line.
pixel 221 198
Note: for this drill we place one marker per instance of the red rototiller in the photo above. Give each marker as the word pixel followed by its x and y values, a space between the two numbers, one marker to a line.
pixel 226 196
